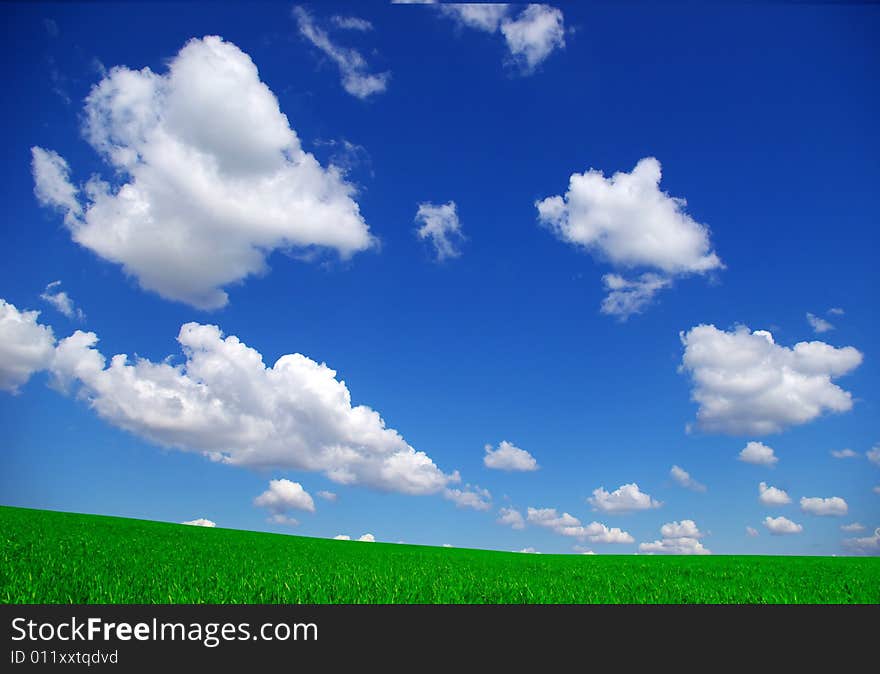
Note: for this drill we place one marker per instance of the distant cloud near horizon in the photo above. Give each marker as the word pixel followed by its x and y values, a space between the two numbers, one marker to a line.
pixel 678 538
pixel 569 525
pixel 366 538
pixel 200 522
pixel 868 545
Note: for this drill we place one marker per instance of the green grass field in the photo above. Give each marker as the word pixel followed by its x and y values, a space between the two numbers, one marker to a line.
pixel 52 557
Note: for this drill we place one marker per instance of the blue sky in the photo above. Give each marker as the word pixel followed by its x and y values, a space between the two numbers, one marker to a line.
pixel 763 119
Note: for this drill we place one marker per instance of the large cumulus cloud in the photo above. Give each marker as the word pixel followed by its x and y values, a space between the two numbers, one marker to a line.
pixel 208 178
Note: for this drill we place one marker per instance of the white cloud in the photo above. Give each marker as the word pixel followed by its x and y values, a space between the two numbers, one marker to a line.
pixel 212 178
pixel 627 220
pixel 62 301
pixel 869 545
pixel 683 529
pixel 200 522
pixel 283 496
pixel 599 533
pixel 480 16
pixel 447 545
pixel 286 520
pixel 352 23
pixel 52 185
pixel 564 524
pixel 684 479
pixel 744 382
pixel 675 546
pixel 569 525
pixel 26 346
pixel 471 496
pixel 751 531
pixel 529 551
pixel 779 526
pixel 772 496
pixel 626 498
pixel 225 403
pixel 873 455
pixel 440 226
pixel 818 323
pixel 366 538
pixel 759 454
pixel 531 35
pixel 511 517
pixel 509 457
pixel 327 496
pixel 679 538
pixel 353 67
pixel 627 297
pixel 854 527
pixel 833 506
pixel 843 454
pixel 836 311
pixel 876 489
pixel 581 550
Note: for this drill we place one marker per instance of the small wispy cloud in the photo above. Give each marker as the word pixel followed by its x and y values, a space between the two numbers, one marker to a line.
pixel 62 301
pixel 630 296
pixel 530 35
pixel 441 226
pixel 351 23
pixel 818 323
pixel 684 479
pixel 353 67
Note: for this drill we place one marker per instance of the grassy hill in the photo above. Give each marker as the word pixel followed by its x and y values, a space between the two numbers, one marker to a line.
pixel 52 557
